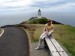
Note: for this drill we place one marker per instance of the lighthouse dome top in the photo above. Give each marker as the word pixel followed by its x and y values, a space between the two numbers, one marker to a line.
pixel 39 10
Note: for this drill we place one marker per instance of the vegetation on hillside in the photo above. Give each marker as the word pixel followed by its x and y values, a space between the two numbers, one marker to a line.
pixel 0 31
pixel 62 33
pixel 39 21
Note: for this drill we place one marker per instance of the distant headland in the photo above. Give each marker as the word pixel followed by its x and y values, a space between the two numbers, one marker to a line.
pixel 39 19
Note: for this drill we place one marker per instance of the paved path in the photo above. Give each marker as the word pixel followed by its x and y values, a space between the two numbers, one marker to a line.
pixel 14 42
pixel 42 52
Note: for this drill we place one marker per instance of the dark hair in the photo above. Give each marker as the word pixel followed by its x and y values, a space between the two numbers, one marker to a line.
pixel 49 20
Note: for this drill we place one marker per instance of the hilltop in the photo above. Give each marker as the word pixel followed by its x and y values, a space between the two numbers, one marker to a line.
pixel 42 20
pixel 64 34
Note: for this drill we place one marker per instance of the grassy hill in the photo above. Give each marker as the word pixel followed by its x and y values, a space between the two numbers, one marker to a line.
pixel 39 21
pixel 0 31
pixel 62 33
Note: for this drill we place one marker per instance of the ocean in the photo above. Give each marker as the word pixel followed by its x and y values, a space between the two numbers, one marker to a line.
pixel 67 18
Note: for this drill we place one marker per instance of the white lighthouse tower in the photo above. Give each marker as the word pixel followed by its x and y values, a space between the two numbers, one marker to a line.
pixel 39 13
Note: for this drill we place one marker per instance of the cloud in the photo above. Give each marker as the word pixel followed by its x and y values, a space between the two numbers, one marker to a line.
pixel 14 3
pixel 66 7
pixel 45 5
pixel 55 5
pixel 47 1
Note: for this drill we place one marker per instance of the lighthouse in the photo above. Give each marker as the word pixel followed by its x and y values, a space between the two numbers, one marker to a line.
pixel 39 13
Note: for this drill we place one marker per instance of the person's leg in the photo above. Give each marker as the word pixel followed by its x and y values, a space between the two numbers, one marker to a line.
pixel 50 33
pixel 43 35
pixel 40 40
pixel 39 43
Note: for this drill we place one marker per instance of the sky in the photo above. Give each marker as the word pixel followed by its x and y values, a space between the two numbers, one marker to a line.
pixel 17 6
pixel 16 11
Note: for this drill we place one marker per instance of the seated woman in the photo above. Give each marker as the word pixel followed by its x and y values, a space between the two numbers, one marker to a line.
pixel 48 30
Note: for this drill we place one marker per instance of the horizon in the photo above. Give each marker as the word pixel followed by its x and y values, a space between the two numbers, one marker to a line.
pixel 21 10
pixel 67 18
pixel 25 30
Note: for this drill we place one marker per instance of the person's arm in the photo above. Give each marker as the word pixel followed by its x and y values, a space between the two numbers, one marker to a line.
pixel 46 29
pixel 52 26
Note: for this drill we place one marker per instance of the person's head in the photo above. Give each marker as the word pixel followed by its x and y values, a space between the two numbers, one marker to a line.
pixel 49 22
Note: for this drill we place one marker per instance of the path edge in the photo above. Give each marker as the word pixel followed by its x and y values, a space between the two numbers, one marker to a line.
pixel 28 39
pixel 2 32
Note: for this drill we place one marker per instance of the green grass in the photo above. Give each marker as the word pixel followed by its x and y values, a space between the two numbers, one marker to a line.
pixel 35 32
pixel 37 21
pixel 63 33
pixel 66 36
pixel 0 31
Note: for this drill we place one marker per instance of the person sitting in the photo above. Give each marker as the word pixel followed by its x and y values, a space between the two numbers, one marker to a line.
pixel 48 31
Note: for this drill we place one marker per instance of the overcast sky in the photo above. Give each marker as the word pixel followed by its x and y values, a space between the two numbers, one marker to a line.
pixel 28 6
pixel 16 11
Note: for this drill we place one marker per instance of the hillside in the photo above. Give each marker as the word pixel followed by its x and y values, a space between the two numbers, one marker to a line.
pixel 39 21
pixel 62 33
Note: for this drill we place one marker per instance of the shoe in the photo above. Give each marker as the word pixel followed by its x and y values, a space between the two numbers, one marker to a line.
pixel 38 48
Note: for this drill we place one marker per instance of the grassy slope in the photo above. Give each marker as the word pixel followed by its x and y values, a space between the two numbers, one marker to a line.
pixel 0 31
pixel 62 33
pixel 66 36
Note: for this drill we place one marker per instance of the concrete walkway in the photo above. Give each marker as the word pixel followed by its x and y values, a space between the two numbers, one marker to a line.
pixel 34 52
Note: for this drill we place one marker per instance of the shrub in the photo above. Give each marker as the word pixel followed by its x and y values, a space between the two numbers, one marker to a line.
pixel 38 21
